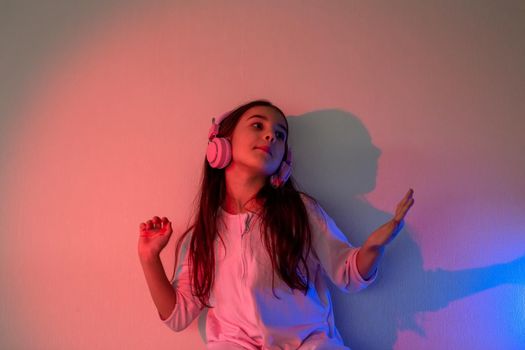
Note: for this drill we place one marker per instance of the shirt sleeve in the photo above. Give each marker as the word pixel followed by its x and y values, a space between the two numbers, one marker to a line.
pixel 336 255
pixel 187 306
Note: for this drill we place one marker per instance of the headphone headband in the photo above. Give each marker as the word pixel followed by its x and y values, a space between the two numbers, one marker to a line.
pixel 214 129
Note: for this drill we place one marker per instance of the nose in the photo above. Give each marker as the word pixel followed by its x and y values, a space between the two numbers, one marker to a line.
pixel 270 136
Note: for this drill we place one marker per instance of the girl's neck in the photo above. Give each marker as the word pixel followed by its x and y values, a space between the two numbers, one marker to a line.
pixel 241 190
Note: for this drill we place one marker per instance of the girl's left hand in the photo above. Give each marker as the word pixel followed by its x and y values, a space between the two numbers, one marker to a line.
pixel 388 231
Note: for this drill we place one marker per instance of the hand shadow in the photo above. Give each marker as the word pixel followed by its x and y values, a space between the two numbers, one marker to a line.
pixel 336 162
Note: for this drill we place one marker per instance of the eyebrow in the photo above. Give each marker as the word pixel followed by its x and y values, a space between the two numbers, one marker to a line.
pixel 266 118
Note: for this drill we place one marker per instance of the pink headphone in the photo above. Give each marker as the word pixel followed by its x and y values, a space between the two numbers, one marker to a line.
pixel 219 154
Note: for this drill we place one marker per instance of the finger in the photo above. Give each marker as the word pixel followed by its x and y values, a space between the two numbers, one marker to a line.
pixel 408 204
pixel 156 222
pixel 165 221
pixel 149 224
pixel 404 209
pixel 406 199
pixel 407 196
pixel 142 226
pixel 401 209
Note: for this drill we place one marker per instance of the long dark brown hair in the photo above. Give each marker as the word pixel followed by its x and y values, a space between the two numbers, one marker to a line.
pixel 286 231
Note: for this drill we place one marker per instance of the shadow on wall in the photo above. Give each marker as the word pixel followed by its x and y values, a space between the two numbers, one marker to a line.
pixel 336 162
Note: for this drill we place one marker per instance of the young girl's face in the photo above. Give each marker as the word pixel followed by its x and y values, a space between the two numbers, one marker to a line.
pixel 259 139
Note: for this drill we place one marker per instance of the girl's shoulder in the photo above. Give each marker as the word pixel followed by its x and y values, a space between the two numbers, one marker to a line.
pixel 310 201
pixel 307 199
pixel 315 211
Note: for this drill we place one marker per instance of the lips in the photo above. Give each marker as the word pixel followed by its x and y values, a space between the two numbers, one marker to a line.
pixel 265 148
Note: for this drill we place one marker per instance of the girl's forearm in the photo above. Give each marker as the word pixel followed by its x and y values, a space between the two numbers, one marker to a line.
pixel 368 258
pixel 160 288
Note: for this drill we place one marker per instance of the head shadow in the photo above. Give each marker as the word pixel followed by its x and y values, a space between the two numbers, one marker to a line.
pixel 336 161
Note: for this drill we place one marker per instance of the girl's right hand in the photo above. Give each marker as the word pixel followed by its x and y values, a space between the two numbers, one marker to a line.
pixel 154 235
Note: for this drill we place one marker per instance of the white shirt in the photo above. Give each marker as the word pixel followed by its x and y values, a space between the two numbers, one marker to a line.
pixel 245 311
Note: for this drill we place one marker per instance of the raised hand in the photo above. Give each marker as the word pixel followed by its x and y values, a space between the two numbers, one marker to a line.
pixel 403 206
pixel 154 235
pixel 388 231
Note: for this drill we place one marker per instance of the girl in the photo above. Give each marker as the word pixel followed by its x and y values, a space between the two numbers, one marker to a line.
pixel 260 251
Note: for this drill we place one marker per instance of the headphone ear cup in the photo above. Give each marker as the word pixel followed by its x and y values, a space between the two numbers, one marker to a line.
pixel 219 152
pixel 279 179
pixel 284 172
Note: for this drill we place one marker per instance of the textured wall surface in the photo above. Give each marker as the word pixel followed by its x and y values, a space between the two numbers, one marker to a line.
pixel 104 113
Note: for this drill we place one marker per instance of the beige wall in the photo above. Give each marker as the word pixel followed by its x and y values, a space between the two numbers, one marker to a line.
pixel 105 112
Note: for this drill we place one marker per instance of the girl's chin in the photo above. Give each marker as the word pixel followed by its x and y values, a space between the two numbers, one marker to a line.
pixel 261 165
